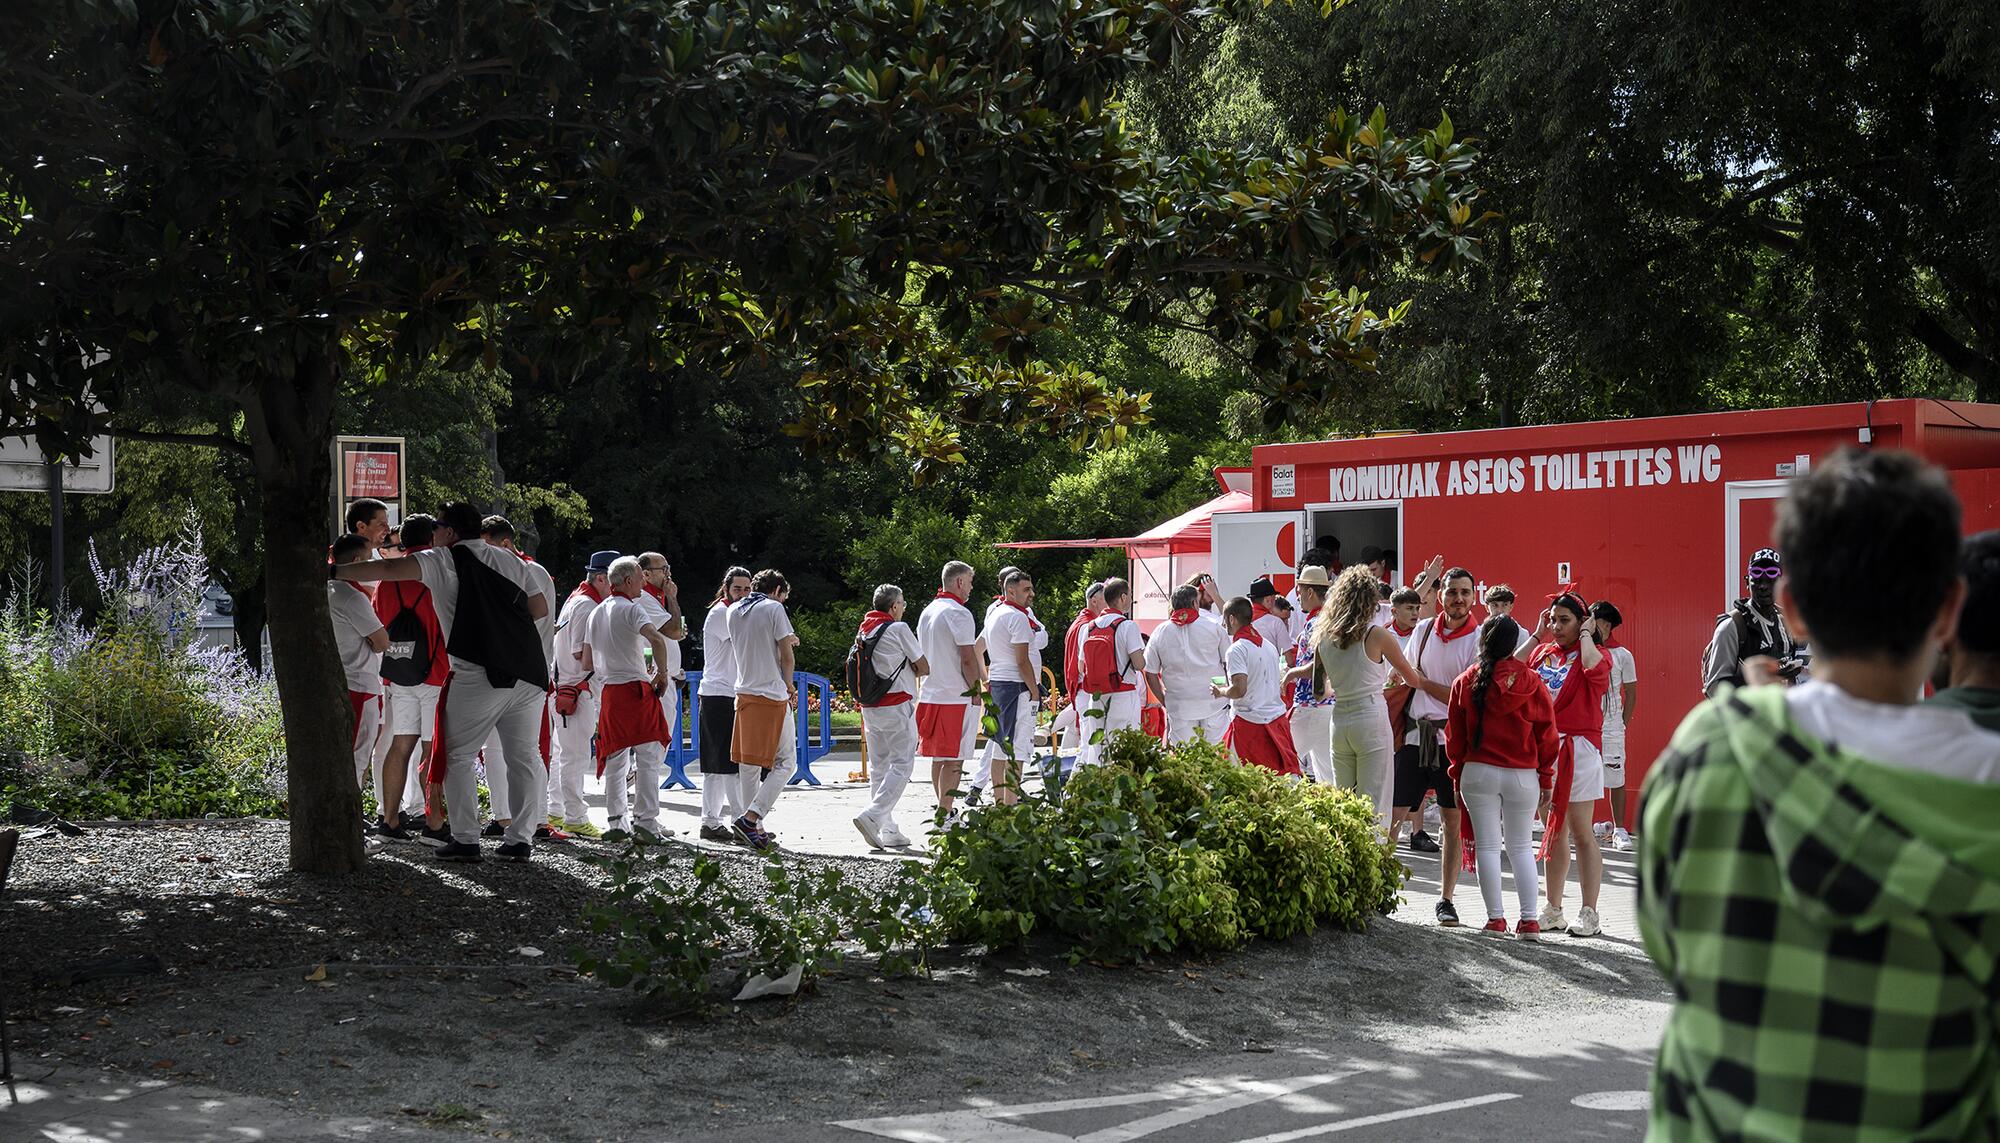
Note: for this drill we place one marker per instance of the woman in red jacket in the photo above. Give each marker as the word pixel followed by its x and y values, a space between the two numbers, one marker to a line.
pixel 1500 739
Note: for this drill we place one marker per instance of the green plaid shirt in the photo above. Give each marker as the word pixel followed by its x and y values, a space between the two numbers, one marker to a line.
pixel 1830 928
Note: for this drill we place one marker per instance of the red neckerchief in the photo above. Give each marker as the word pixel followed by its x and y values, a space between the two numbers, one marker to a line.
pixel 1445 636
pixel 1032 625
pixel 658 593
pixel 874 619
pixel 1248 632
pixel 950 596
pixel 1182 616
pixel 1400 633
pixel 1610 641
pixel 589 591
pixel 1258 611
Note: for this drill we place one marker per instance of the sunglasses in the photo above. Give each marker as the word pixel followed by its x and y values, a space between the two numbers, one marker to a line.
pixel 1766 573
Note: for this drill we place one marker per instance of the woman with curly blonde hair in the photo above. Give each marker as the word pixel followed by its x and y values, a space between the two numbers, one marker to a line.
pixel 1351 661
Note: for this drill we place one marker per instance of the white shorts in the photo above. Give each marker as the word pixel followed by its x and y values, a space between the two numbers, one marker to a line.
pixel 1614 764
pixel 412 710
pixel 1586 783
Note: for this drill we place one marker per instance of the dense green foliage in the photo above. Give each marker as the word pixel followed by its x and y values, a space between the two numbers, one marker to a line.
pixel 674 930
pixel 133 719
pixel 1165 849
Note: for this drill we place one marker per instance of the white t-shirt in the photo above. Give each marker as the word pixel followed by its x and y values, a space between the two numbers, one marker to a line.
pixel 1007 628
pixel 942 629
pixel 440 574
pixel 571 625
pixel 354 620
pixel 658 615
pixel 1187 659
pixel 718 672
pixel 617 649
pixel 1928 739
pixel 1440 661
pixel 545 586
pixel 1127 639
pixel 893 653
pixel 756 627
pixel 1261 702
pixel 1277 632
pixel 1623 671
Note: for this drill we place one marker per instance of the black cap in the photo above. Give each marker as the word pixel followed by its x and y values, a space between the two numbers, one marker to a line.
pixel 1262 588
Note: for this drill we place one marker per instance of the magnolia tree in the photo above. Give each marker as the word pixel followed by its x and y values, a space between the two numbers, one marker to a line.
pixel 245 201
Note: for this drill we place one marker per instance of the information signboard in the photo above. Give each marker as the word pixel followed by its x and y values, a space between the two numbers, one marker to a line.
pixel 368 468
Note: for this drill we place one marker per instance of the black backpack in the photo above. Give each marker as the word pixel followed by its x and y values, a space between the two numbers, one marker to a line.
pixel 408 661
pixel 863 680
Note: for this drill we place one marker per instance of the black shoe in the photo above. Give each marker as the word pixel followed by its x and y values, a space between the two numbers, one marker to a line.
pixel 718 833
pixel 1447 914
pixel 440 835
pixel 454 851
pixel 398 831
pixel 1421 842
pixel 546 832
pixel 493 829
pixel 972 795
pixel 514 851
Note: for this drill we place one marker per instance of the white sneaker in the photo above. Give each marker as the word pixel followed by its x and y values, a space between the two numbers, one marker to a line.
pixel 869 833
pixel 1620 839
pixel 1552 919
pixel 1587 923
pixel 892 838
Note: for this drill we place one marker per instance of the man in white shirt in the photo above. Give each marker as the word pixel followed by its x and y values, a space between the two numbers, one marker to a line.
pixel 764 744
pixel 1621 697
pixel 889 724
pixel 1112 665
pixel 1257 732
pixel 1014 642
pixel 1270 625
pixel 1183 660
pixel 1441 649
pixel 1312 714
pixel 661 597
pixel 572 758
pixel 947 703
pixel 360 637
pixel 631 727
pixel 715 711
pixel 506 689
pixel 499 532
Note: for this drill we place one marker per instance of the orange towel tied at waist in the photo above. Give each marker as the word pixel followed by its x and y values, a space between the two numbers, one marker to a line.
pixel 759 724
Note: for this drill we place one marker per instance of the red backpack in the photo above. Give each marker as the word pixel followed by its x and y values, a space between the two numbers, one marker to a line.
pixel 1103 672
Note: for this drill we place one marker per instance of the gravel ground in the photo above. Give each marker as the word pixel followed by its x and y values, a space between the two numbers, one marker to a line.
pixel 429 1005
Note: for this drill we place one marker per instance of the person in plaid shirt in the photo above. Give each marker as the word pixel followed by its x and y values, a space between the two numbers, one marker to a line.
pixel 1819 879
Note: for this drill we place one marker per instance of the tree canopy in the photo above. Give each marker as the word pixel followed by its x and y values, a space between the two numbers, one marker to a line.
pixel 246 201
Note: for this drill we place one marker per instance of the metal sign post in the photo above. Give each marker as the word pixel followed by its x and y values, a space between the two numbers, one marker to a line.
pixel 24 468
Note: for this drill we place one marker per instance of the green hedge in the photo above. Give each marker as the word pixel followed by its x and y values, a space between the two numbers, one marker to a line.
pixel 1166 849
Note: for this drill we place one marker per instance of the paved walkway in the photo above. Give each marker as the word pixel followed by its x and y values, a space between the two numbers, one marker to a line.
pixel 79 1105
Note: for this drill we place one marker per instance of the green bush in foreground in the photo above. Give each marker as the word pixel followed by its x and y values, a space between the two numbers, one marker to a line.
pixel 1163 849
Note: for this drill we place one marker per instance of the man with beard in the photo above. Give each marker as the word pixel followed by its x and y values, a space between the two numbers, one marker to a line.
pixel 1441 648
pixel 1750 628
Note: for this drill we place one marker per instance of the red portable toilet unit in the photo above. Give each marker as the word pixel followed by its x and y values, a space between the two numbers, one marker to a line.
pixel 1658 515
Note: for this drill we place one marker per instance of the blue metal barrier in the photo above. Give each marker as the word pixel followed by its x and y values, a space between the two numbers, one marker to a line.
pixel 685 750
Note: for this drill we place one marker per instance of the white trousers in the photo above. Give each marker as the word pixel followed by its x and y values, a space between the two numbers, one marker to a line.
pixel 1501 801
pixel 757 789
pixel 1312 737
pixel 1118 711
pixel 571 759
pixel 986 774
pixel 891 732
pixel 495 753
pixel 365 732
pixel 719 804
pixel 1189 717
pixel 1362 755
pixel 473 708
pixel 642 765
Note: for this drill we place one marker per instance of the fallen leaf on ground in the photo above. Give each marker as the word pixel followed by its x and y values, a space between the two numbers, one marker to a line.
pixel 1026 971
pixel 340 1063
pixel 317 974
pixel 232 1041
pixel 528 950
pixel 163 1063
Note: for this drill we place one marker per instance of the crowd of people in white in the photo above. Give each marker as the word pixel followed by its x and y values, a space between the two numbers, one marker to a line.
pixel 460 656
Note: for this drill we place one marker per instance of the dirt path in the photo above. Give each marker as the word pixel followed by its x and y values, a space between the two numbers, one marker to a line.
pixel 429 1004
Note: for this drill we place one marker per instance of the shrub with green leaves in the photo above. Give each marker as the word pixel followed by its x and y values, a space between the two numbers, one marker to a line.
pixel 1162 849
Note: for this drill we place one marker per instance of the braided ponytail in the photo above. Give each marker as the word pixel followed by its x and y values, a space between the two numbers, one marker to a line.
pixel 1497 640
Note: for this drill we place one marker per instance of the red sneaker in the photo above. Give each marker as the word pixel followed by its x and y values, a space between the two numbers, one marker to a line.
pixel 547 832
pixel 1529 931
pixel 1499 925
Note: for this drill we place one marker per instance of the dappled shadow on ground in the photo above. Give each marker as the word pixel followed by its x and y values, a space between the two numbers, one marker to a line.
pixel 428 1000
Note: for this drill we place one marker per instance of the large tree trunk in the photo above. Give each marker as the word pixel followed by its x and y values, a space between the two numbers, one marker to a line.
pixel 247 616
pixel 291 434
